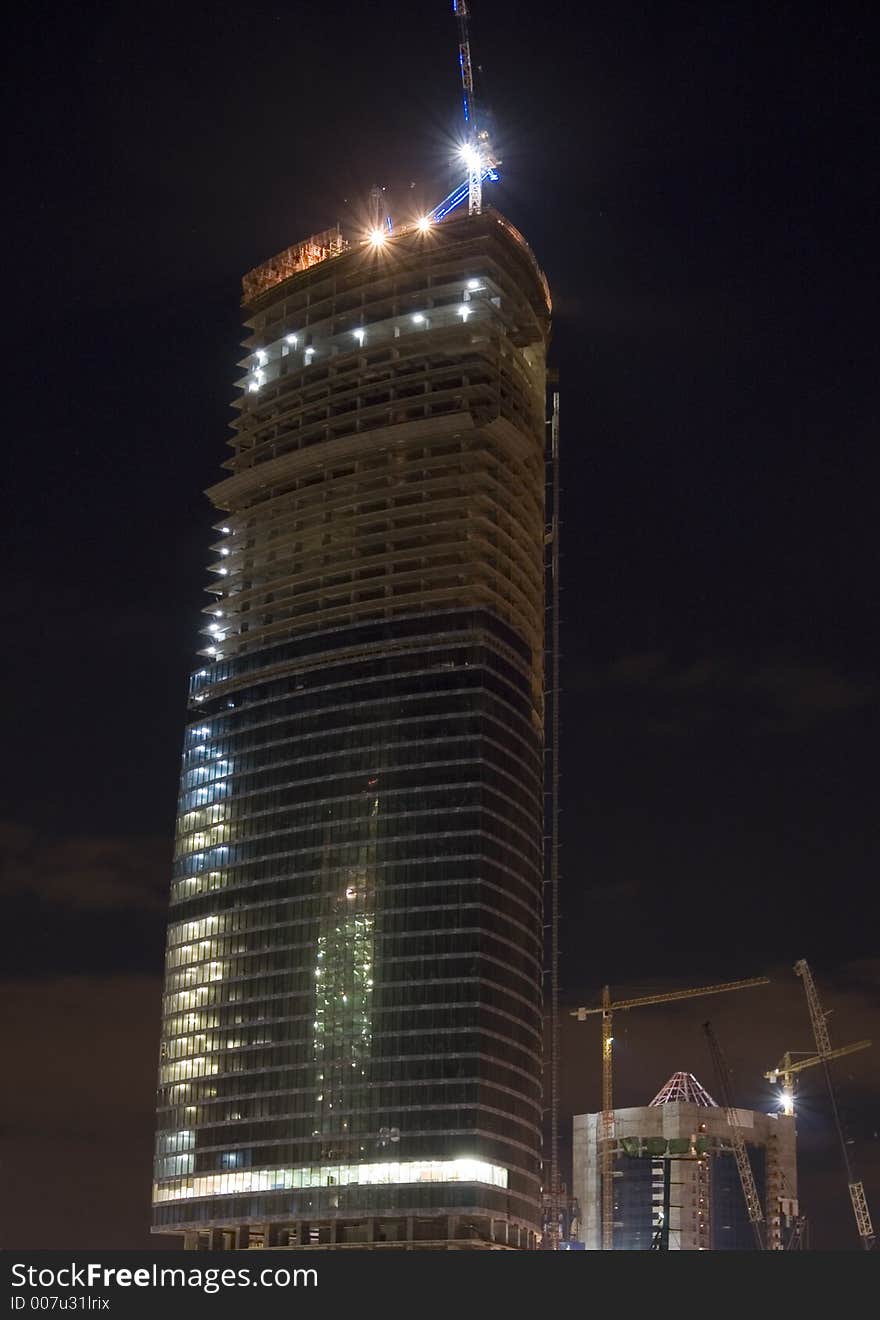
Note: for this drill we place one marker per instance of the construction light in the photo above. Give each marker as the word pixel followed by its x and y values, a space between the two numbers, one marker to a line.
pixel 471 155
pixel 424 224
pixel 377 237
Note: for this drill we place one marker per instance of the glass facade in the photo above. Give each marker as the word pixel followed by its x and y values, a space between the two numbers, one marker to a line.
pixel 731 1229
pixel 351 1042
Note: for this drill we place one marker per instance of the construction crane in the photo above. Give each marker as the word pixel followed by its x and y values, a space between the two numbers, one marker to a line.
pixel 607 1009
pixel 826 1053
pixel 476 151
pixel 754 1208
pixel 788 1066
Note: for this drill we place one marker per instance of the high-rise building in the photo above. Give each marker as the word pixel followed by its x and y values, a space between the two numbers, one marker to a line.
pixel 351 1039
pixel 675 1175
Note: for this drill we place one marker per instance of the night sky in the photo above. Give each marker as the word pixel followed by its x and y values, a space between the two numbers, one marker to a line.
pixel 699 181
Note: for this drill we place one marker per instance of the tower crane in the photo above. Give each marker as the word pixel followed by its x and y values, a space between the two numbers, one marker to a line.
pixel 607 1008
pixel 476 151
pixel 826 1053
pixel 746 1177
pixel 788 1066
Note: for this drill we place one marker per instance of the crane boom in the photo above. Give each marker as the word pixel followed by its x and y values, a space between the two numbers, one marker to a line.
pixel 787 1065
pixel 744 1168
pixel 606 1141
pixel 670 996
pixel 855 1187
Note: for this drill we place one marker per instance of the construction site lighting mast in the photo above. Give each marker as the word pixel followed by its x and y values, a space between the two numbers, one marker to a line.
pixel 823 1048
pixel 607 1008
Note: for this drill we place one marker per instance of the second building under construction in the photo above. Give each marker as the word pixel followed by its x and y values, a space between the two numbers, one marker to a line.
pixel 676 1184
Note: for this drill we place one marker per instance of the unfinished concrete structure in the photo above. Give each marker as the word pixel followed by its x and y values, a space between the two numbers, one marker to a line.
pixel 351 1044
pixel 674 1170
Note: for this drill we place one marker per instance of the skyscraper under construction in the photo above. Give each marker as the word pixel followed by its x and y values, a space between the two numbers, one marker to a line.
pixel 351 1041
pixel 676 1185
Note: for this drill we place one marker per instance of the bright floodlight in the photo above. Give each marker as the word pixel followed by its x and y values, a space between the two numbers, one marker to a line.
pixel 377 237
pixel 470 155
pixel 424 224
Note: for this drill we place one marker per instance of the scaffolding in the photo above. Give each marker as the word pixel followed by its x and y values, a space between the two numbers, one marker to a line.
pixel 551 538
pixel 298 257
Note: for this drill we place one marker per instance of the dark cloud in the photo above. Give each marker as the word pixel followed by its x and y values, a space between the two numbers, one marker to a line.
pixel 772 694
pixel 90 905
pixel 89 872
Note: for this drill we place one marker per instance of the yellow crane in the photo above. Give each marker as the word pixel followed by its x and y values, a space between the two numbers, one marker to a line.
pixel 607 1008
pixel 855 1186
pixel 754 1209
pixel 788 1066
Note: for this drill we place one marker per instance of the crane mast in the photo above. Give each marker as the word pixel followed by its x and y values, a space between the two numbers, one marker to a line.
pixel 823 1048
pixel 744 1168
pixel 460 9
